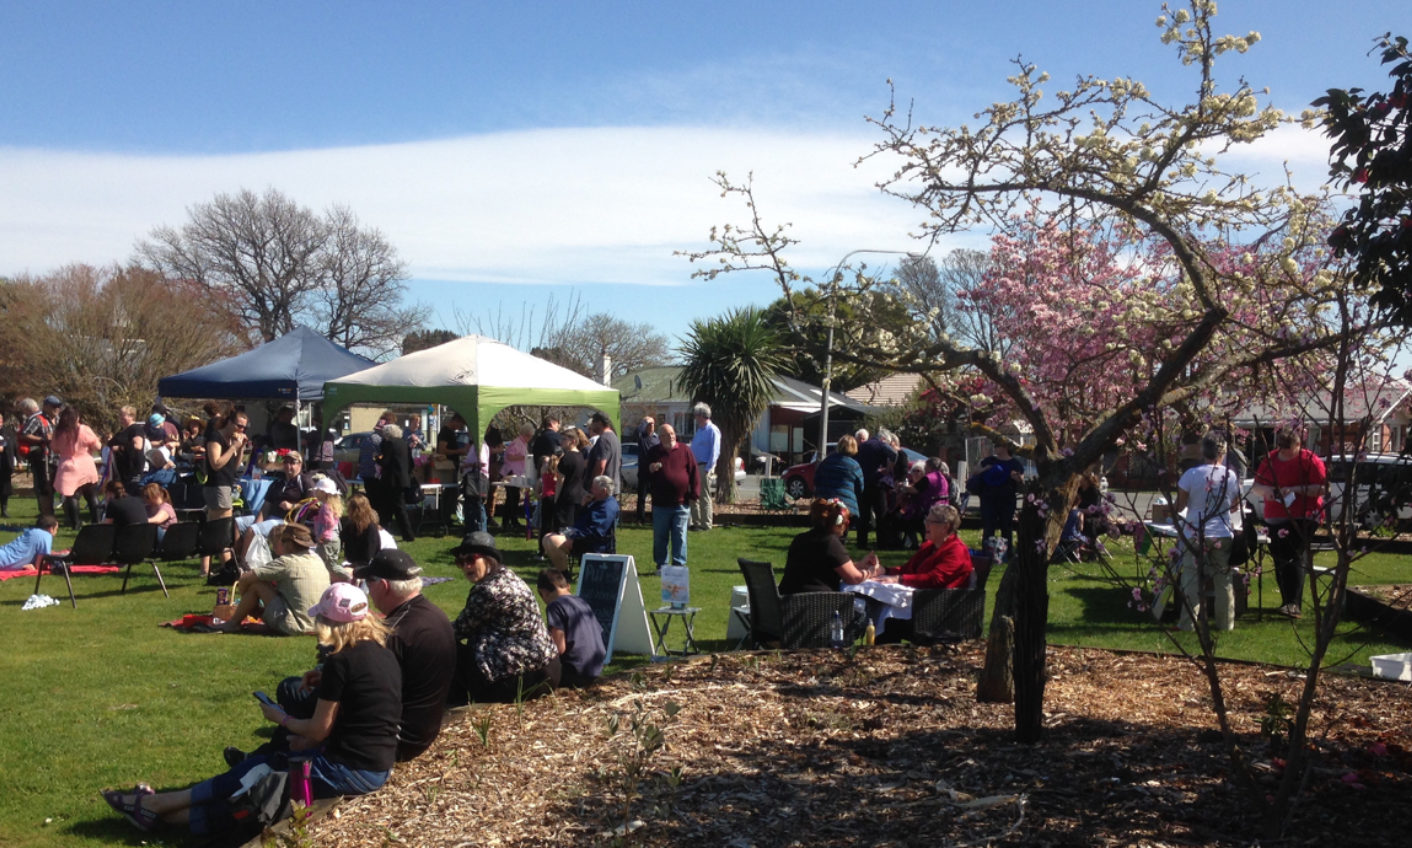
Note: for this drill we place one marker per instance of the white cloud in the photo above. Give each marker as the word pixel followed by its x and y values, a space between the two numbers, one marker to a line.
pixel 567 206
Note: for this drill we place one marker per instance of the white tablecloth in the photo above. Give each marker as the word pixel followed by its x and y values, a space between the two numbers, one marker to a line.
pixel 894 601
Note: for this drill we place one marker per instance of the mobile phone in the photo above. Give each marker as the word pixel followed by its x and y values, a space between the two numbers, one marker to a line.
pixel 264 699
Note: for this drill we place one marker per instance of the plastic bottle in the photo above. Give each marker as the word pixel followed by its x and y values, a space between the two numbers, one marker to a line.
pixel 836 631
pixel 870 636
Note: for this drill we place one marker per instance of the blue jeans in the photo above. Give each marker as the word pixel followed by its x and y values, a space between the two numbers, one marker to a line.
pixel 211 810
pixel 669 526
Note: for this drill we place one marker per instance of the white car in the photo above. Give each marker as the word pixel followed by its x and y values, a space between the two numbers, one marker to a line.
pixel 1382 487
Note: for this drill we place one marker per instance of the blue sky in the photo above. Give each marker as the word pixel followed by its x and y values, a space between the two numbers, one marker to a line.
pixel 521 150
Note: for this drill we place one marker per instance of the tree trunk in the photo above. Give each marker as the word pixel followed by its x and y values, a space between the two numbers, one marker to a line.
pixel 1031 615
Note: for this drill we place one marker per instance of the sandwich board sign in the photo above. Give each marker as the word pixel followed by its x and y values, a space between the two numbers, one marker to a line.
pixel 608 582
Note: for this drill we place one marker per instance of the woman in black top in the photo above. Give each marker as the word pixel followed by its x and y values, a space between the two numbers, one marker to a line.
pixel 358 530
pixel 353 729
pixel 572 467
pixel 817 560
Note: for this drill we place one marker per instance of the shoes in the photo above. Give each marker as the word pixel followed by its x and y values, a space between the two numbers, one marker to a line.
pixel 233 756
pixel 1290 611
pixel 142 818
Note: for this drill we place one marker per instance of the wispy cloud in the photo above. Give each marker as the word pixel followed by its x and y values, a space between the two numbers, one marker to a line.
pixel 554 206
pixel 544 206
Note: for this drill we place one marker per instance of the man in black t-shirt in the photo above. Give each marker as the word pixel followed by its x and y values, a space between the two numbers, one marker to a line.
pixel 423 642
pixel 129 449
pixel 545 444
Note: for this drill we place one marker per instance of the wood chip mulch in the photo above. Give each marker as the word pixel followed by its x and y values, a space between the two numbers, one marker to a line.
pixel 888 747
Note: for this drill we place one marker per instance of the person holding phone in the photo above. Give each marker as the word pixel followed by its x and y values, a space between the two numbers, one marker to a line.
pixel 352 733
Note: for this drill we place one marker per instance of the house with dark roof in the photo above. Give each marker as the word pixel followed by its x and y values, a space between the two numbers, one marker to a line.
pixel 787 429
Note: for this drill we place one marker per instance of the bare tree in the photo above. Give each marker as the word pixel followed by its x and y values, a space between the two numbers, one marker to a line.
pixel 631 347
pixel 273 264
pixel 102 337
pixel 525 331
pixel 358 301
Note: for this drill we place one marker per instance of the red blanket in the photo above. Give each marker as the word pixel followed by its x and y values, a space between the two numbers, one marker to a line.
pixel 28 571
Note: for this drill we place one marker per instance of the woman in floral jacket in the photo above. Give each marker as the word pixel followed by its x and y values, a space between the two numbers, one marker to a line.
pixel 504 652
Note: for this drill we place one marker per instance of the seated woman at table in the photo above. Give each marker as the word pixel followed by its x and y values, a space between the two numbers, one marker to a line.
pixel 943 561
pixel 352 735
pixel 817 560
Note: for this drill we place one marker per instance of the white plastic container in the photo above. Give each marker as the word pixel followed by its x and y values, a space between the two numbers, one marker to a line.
pixel 1393 666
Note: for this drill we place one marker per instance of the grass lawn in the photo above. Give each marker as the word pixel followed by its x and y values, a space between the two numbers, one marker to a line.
pixel 102 696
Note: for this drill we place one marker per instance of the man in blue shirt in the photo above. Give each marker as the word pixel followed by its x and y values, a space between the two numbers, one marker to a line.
pixel 592 530
pixel 706 446
pixel 29 546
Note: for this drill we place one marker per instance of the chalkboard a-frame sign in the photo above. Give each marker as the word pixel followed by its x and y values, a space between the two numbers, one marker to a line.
pixel 608 582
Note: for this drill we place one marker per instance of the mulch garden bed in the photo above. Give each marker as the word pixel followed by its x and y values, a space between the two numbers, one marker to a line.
pixel 888 747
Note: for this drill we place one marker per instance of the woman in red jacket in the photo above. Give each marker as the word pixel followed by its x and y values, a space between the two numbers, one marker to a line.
pixel 943 561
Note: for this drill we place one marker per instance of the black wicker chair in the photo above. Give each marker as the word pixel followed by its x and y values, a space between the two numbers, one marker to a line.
pixel 766 622
pixel 951 615
pixel 808 619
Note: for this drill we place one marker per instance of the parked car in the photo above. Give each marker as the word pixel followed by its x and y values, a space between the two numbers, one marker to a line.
pixel 345 452
pixel 630 461
pixel 629 466
pixel 799 479
pixel 1382 488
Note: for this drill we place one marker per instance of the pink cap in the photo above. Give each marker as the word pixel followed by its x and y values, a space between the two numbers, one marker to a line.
pixel 341 602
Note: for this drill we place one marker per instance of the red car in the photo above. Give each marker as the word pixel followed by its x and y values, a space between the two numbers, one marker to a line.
pixel 799 479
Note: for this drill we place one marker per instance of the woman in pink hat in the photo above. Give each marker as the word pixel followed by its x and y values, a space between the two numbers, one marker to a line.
pixel 352 734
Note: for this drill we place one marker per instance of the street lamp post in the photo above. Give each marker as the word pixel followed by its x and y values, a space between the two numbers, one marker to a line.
pixel 834 277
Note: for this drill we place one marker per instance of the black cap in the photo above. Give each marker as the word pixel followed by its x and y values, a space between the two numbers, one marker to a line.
pixel 54 401
pixel 389 564
pixel 479 542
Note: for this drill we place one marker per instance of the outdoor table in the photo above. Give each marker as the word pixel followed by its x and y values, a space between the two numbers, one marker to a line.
pixel 662 619
pixel 429 510
pixel 882 601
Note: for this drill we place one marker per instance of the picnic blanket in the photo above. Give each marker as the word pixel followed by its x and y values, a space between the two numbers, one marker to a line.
pixel 201 623
pixel 29 571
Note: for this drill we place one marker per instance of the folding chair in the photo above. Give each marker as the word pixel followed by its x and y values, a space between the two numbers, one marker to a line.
pixel 137 543
pixel 772 496
pixel 180 542
pixel 93 546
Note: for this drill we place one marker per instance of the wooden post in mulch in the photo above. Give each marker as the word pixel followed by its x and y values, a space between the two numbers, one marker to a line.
pixel 997 680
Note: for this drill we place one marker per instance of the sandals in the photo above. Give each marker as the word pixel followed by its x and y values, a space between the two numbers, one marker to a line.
pixel 142 818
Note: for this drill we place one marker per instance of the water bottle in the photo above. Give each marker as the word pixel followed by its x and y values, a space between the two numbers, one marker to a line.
pixel 301 790
pixel 870 636
pixel 836 631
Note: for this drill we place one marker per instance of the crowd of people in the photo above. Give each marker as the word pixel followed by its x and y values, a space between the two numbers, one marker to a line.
pixel 317 560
